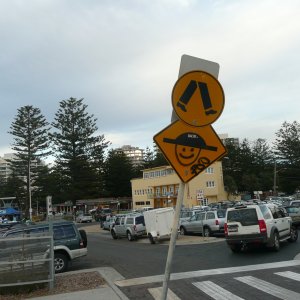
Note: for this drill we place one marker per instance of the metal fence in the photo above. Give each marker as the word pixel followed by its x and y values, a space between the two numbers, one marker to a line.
pixel 26 260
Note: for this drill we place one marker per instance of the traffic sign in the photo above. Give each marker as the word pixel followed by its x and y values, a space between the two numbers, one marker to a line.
pixel 189 149
pixel 198 98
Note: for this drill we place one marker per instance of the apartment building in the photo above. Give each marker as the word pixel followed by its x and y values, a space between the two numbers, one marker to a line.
pixel 135 154
pixel 159 188
pixel 5 169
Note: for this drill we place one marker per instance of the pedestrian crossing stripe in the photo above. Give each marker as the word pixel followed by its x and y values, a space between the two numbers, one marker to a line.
pixel 290 275
pixel 214 291
pixel 217 292
pixel 269 288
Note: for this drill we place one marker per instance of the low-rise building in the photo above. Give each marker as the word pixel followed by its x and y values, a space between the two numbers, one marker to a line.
pixel 159 188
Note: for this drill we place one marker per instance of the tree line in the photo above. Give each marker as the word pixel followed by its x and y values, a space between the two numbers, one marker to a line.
pixel 258 166
pixel 84 167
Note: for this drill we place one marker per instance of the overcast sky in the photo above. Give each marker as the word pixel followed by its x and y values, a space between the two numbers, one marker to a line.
pixel 123 58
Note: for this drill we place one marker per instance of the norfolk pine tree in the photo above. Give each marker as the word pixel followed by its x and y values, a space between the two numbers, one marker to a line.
pixel 31 143
pixel 78 150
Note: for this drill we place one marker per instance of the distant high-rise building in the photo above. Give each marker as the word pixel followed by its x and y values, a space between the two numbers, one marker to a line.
pixel 135 154
pixel 227 140
pixel 5 169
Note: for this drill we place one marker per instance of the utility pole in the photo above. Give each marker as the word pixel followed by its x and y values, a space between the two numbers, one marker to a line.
pixel 274 184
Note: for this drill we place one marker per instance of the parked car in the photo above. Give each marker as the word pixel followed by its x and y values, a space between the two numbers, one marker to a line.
pixel 69 242
pixel 207 223
pixel 108 223
pixel 84 218
pixel 265 224
pixel 186 214
pixel 294 213
pixel 100 215
pixel 131 226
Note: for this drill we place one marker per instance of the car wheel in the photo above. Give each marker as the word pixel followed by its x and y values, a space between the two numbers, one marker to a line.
pixel 206 232
pixel 276 243
pixel 151 239
pixel 294 235
pixel 183 231
pixel 60 262
pixel 113 234
pixel 84 237
pixel 129 236
pixel 235 248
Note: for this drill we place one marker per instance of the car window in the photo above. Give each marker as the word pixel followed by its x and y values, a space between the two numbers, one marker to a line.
pixel 193 218
pixel 199 217
pixel 246 217
pixel 20 233
pixel 140 220
pixel 265 211
pixel 129 221
pixel 65 231
pixel 221 213
pixel 117 221
pixel 122 221
pixel 210 215
pixel 292 209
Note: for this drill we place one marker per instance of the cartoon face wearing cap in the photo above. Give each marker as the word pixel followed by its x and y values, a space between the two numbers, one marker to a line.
pixel 188 147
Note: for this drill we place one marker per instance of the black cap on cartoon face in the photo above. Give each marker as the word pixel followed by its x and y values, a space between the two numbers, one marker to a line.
pixel 190 139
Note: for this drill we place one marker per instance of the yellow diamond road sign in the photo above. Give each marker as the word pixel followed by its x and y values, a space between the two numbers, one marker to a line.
pixel 189 149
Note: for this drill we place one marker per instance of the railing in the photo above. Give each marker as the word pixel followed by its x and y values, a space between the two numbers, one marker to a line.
pixel 26 260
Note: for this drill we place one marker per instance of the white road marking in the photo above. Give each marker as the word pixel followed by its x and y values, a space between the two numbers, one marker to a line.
pixel 157 292
pixel 200 273
pixel 269 288
pixel 290 275
pixel 214 291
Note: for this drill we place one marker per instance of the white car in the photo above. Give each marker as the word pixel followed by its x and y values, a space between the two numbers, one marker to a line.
pixel 265 224
pixel 84 218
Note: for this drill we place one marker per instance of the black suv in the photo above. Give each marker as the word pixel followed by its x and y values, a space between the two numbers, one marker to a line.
pixel 69 242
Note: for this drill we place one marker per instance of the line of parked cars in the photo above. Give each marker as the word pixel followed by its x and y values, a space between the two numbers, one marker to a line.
pixel 70 243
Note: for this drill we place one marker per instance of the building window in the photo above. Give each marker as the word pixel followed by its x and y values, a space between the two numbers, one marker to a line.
pixel 157 191
pixel 146 175
pixel 209 170
pixel 147 202
pixel 163 173
pixel 157 173
pixel 210 184
pixel 140 203
pixel 204 202
pixel 171 190
pixel 164 190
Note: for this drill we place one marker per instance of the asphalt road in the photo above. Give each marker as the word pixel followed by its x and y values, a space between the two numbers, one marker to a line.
pixel 139 259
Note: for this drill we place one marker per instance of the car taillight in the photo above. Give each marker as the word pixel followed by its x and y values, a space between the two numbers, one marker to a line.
pixel 262 226
pixel 225 229
pixel 217 222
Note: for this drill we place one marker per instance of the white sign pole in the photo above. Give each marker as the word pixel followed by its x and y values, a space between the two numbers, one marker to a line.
pixel 187 64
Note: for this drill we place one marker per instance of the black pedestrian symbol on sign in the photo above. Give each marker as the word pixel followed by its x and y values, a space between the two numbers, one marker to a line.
pixel 188 147
pixel 188 93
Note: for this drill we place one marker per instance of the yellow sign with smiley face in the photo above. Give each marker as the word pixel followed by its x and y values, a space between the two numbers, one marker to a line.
pixel 189 150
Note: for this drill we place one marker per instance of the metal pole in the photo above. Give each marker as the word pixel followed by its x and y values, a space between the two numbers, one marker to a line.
pixel 172 241
pixel 274 187
pixel 51 255
pixel 29 191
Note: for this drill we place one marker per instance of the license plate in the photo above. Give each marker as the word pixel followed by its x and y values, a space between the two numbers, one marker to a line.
pixel 233 229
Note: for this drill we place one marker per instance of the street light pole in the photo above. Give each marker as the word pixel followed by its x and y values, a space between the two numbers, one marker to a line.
pixel 274 186
pixel 29 191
